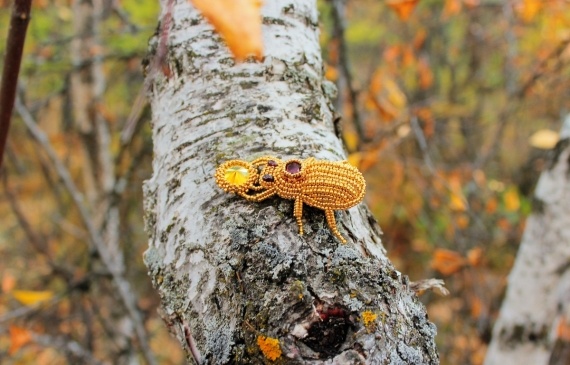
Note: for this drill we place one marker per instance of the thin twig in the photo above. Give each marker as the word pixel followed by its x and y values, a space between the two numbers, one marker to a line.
pixel 133 120
pixel 68 346
pixel 24 311
pixel 539 71
pixel 12 62
pixel 519 93
pixel 124 16
pixel 95 239
pixel 421 139
pixel 191 343
pixel 338 32
pixel 37 240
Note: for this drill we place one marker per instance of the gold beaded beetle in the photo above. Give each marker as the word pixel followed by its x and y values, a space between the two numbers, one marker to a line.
pixel 321 184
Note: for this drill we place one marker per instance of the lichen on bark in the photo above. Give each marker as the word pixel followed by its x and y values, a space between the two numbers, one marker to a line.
pixel 229 271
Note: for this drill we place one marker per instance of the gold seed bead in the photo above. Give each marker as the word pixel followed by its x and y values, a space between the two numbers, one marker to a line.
pixel 322 184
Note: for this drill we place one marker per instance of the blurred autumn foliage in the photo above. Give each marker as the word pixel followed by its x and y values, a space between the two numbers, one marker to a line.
pixel 448 106
pixel 73 286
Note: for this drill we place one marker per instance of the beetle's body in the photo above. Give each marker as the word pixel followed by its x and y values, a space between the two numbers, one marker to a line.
pixel 321 184
pixel 332 185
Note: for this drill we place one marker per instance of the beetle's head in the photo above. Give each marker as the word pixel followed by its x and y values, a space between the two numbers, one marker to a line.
pixel 268 173
pixel 289 171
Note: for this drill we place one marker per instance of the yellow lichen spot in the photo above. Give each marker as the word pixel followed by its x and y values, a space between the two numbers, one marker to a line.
pixel 368 318
pixel 269 347
pixel 236 175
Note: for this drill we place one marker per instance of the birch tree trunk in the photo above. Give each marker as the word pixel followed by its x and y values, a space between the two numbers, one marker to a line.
pixel 537 303
pixel 232 274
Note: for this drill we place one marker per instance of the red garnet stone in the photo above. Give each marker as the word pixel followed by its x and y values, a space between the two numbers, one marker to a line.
pixel 268 178
pixel 293 167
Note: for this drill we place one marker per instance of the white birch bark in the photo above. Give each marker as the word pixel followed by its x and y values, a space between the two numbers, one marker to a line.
pixel 229 270
pixel 537 294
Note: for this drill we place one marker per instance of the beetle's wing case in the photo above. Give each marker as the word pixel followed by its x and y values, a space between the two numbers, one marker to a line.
pixel 332 185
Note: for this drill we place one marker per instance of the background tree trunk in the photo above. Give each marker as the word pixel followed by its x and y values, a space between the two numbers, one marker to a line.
pixel 534 313
pixel 230 271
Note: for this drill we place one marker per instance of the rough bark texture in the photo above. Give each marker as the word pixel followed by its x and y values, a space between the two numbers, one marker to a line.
pixel 229 270
pixel 537 299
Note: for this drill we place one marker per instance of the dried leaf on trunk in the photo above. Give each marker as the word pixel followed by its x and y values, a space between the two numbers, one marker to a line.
pixel 238 22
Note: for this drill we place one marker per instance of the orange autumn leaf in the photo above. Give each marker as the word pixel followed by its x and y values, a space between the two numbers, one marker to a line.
pixel 394 94
pixel 351 140
pixel 476 307
pixel 425 73
pixel 457 201
pixel 106 112
pixel 32 297
pixel 354 159
pixel 491 205
pixel 376 83
pixel 419 38
pixel 238 22
pixel 504 224
pixel 386 96
pixel 447 262
pixel 475 256
pixel 512 200
pixel 8 282
pixel 402 8
pixel 408 57
pixel 428 120
pixel 18 337
pixel 368 159
pixel 451 7
pixel 471 3
pixel 527 9
pixel 563 329
pixel 333 51
pixel 331 73
pixel 391 53
pixel 462 221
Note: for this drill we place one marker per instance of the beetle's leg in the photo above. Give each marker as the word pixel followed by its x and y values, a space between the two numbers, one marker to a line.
pixel 329 213
pixel 298 213
pixel 259 197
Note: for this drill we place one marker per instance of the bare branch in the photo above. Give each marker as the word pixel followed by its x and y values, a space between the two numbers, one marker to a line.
pixel 37 240
pixel 12 62
pixel 29 310
pixel 345 77
pixel 538 72
pixel 69 347
pixel 95 238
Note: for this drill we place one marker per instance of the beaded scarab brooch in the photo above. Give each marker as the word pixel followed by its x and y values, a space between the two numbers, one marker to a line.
pixel 321 184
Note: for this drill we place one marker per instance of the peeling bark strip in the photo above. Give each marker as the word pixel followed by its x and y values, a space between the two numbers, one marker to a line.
pixel 537 303
pixel 234 274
